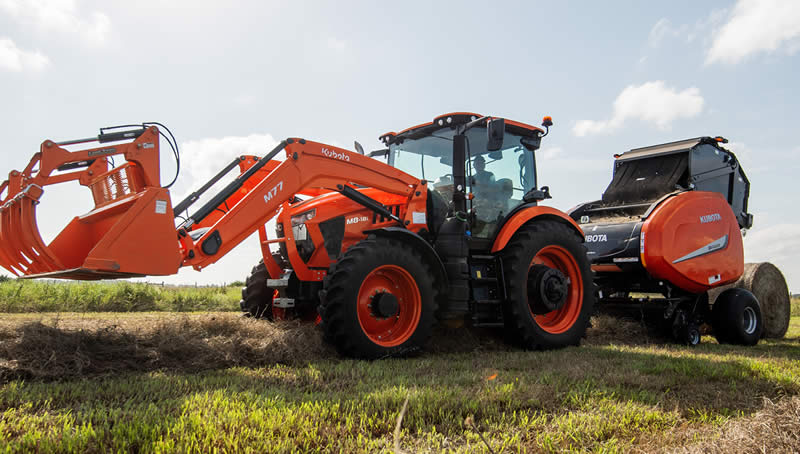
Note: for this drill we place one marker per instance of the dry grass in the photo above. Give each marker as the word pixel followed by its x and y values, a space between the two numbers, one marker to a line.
pixel 606 329
pixel 773 429
pixel 75 345
pixel 65 347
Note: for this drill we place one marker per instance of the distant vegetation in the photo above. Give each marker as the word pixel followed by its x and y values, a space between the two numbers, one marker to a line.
pixel 796 306
pixel 42 296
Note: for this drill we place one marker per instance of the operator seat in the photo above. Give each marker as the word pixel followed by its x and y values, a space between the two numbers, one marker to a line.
pixel 438 207
pixel 504 195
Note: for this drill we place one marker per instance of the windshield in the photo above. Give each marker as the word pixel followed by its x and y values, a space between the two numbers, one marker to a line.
pixel 498 179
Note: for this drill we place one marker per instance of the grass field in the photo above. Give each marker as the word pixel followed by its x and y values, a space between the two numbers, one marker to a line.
pixel 200 382
pixel 21 296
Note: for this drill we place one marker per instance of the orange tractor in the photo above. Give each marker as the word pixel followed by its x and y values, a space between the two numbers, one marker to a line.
pixel 448 229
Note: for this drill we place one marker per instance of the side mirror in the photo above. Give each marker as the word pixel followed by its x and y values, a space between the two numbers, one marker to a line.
pixel 495 129
pixel 359 148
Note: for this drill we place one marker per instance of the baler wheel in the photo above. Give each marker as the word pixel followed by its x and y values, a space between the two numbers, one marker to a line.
pixel 547 260
pixel 379 300
pixel 736 318
pixel 256 296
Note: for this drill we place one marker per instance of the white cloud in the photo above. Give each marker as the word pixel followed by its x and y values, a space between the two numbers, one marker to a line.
pixel 651 102
pixel 745 156
pixel 12 58
pixel 757 26
pixel 549 153
pixel 60 16
pixel 202 159
pixel 336 44
pixel 780 245
pixel 664 30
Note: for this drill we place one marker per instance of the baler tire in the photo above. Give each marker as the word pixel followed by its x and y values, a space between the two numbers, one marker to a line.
pixel 256 296
pixel 549 243
pixel 768 284
pixel 731 315
pixel 378 266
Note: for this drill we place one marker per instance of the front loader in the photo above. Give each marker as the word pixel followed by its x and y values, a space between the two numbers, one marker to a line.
pixel 448 228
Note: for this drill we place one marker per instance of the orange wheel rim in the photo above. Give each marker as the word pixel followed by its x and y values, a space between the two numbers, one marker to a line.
pixel 392 330
pixel 561 320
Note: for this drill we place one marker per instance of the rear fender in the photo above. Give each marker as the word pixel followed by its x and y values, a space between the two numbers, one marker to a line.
pixel 421 245
pixel 522 217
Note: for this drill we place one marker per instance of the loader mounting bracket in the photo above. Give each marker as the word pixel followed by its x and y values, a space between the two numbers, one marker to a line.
pixel 212 243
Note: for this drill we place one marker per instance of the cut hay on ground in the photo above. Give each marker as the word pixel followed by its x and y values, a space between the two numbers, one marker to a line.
pixel 776 428
pixel 46 349
pixel 70 346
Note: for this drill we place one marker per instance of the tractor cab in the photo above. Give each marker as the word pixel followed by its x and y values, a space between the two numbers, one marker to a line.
pixel 497 177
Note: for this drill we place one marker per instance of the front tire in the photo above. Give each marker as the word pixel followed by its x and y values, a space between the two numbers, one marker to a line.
pixel 256 296
pixel 550 298
pixel 379 300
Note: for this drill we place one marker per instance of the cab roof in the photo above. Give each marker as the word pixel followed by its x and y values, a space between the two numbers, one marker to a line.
pixel 449 120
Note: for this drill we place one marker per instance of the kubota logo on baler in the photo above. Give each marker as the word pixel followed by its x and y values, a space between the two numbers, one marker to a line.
pixel 335 155
pixel 273 192
pixel 714 217
pixel 599 238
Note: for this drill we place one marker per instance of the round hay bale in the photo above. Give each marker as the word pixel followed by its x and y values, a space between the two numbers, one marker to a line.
pixel 767 283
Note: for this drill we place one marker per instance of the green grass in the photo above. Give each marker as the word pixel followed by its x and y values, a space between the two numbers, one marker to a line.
pixel 795 307
pixel 595 398
pixel 18 296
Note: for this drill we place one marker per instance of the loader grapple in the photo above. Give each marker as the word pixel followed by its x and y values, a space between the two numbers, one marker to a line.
pixel 105 243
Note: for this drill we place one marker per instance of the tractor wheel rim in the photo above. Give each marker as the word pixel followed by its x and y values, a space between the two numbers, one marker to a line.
pixel 389 331
pixel 561 320
pixel 749 320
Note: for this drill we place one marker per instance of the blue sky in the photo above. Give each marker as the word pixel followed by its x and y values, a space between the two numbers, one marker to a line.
pixel 232 77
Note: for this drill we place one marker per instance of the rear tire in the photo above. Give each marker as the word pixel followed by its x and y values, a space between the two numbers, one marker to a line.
pixel 256 296
pixel 736 318
pixel 379 300
pixel 555 246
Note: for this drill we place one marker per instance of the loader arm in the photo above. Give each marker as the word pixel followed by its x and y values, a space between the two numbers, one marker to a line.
pixel 131 230
pixel 308 165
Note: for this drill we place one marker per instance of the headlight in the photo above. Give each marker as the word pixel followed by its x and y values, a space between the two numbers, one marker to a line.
pixel 302 218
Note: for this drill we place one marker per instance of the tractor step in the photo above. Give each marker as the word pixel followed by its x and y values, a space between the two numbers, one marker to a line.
pixel 283 303
pixel 484 280
pixel 277 283
pixel 494 302
pixel 492 324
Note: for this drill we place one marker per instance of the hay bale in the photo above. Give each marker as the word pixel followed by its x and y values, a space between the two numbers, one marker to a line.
pixel 767 283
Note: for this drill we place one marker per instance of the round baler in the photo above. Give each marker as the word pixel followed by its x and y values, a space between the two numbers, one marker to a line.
pixel 667 231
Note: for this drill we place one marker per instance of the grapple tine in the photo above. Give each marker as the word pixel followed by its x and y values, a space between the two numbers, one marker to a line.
pixel 45 260
pixel 23 249
pixel 11 240
pixel 5 260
